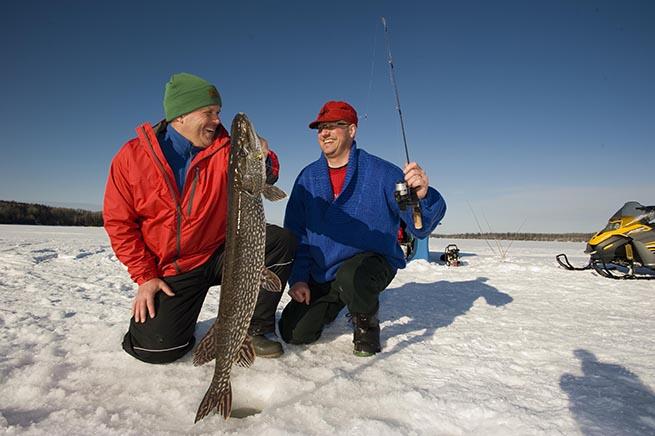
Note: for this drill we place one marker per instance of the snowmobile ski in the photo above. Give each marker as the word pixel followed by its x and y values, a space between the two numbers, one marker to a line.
pixel 564 261
pixel 605 271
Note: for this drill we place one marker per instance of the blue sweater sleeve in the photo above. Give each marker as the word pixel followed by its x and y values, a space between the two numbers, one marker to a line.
pixel 433 209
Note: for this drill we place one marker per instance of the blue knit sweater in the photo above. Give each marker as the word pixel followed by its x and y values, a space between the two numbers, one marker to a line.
pixel 363 218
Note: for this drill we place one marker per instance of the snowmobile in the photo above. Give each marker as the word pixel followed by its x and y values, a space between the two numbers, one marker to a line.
pixel 628 241
pixel 451 255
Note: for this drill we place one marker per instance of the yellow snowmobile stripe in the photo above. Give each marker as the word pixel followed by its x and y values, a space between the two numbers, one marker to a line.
pixel 628 252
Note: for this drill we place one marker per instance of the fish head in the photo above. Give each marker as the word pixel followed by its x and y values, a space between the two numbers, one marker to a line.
pixel 247 155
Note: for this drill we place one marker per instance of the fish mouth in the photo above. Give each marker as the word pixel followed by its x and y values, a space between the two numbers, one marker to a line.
pixel 245 139
pixel 249 141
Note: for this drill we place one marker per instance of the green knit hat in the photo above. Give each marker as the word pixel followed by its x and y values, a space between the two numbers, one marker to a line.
pixel 185 93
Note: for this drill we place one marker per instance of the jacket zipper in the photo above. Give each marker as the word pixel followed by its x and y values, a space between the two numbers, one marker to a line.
pixel 193 190
pixel 178 238
pixel 178 202
pixel 178 208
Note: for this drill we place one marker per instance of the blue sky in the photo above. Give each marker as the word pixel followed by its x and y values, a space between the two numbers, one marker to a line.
pixel 540 112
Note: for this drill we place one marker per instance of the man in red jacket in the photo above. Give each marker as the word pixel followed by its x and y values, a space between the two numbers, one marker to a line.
pixel 165 211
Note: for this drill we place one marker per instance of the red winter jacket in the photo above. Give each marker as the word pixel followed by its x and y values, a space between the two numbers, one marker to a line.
pixel 154 229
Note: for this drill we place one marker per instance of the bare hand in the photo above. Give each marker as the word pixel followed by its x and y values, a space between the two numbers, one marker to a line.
pixel 300 292
pixel 417 179
pixel 145 298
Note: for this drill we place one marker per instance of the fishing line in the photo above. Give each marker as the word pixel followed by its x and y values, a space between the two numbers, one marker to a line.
pixel 370 81
pixel 392 75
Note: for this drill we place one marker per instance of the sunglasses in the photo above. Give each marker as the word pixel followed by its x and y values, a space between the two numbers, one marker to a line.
pixel 332 126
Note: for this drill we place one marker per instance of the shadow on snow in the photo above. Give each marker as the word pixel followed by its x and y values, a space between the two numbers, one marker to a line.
pixel 608 398
pixel 424 307
pixel 431 306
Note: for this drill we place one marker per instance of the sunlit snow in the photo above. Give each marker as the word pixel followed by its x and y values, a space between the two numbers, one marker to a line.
pixel 493 347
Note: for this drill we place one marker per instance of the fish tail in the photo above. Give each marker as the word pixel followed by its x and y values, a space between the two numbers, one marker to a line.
pixel 219 397
pixel 206 349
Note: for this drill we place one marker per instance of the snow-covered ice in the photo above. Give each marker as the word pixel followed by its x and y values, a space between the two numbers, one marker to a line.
pixel 494 347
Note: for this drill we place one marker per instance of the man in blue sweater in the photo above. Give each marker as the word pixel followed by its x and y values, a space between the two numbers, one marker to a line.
pixel 345 216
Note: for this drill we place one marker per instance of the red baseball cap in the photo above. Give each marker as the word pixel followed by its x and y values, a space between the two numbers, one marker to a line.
pixel 335 111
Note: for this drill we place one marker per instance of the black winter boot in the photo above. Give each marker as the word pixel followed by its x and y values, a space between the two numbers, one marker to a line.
pixel 366 336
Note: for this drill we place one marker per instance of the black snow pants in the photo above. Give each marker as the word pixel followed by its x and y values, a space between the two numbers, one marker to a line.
pixel 357 285
pixel 169 335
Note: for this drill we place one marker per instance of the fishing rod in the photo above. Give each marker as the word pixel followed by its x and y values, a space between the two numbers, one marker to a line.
pixel 404 196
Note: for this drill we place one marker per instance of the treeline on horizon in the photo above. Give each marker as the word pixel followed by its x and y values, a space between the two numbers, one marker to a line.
pixel 559 237
pixel 12 212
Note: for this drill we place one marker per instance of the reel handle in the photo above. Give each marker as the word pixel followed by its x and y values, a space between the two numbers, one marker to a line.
pixel 405 197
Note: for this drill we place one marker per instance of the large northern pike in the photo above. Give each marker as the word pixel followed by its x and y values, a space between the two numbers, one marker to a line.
pixel 244 271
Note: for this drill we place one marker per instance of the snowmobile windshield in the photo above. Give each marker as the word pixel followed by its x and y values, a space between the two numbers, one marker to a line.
pixel 649 217
pixel 612 225
pixel 632 209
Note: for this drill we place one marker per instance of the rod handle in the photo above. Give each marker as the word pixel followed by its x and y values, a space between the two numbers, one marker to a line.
pixel 416 214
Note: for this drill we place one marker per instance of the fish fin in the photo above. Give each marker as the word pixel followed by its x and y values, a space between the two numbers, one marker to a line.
pixel 270 281
pixel 219 397
pixel 273 193
pixel 206 349
pixel 246 355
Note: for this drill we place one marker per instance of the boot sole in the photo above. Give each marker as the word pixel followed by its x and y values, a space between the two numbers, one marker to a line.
pixel 272 355
pixel 363 353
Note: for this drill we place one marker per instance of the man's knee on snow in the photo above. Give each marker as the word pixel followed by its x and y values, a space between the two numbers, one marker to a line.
pixel 299 337
pixel 154 353
pixel 294 331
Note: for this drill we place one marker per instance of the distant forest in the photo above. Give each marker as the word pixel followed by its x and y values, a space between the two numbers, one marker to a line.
pixel 561 237
pixel 12 212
